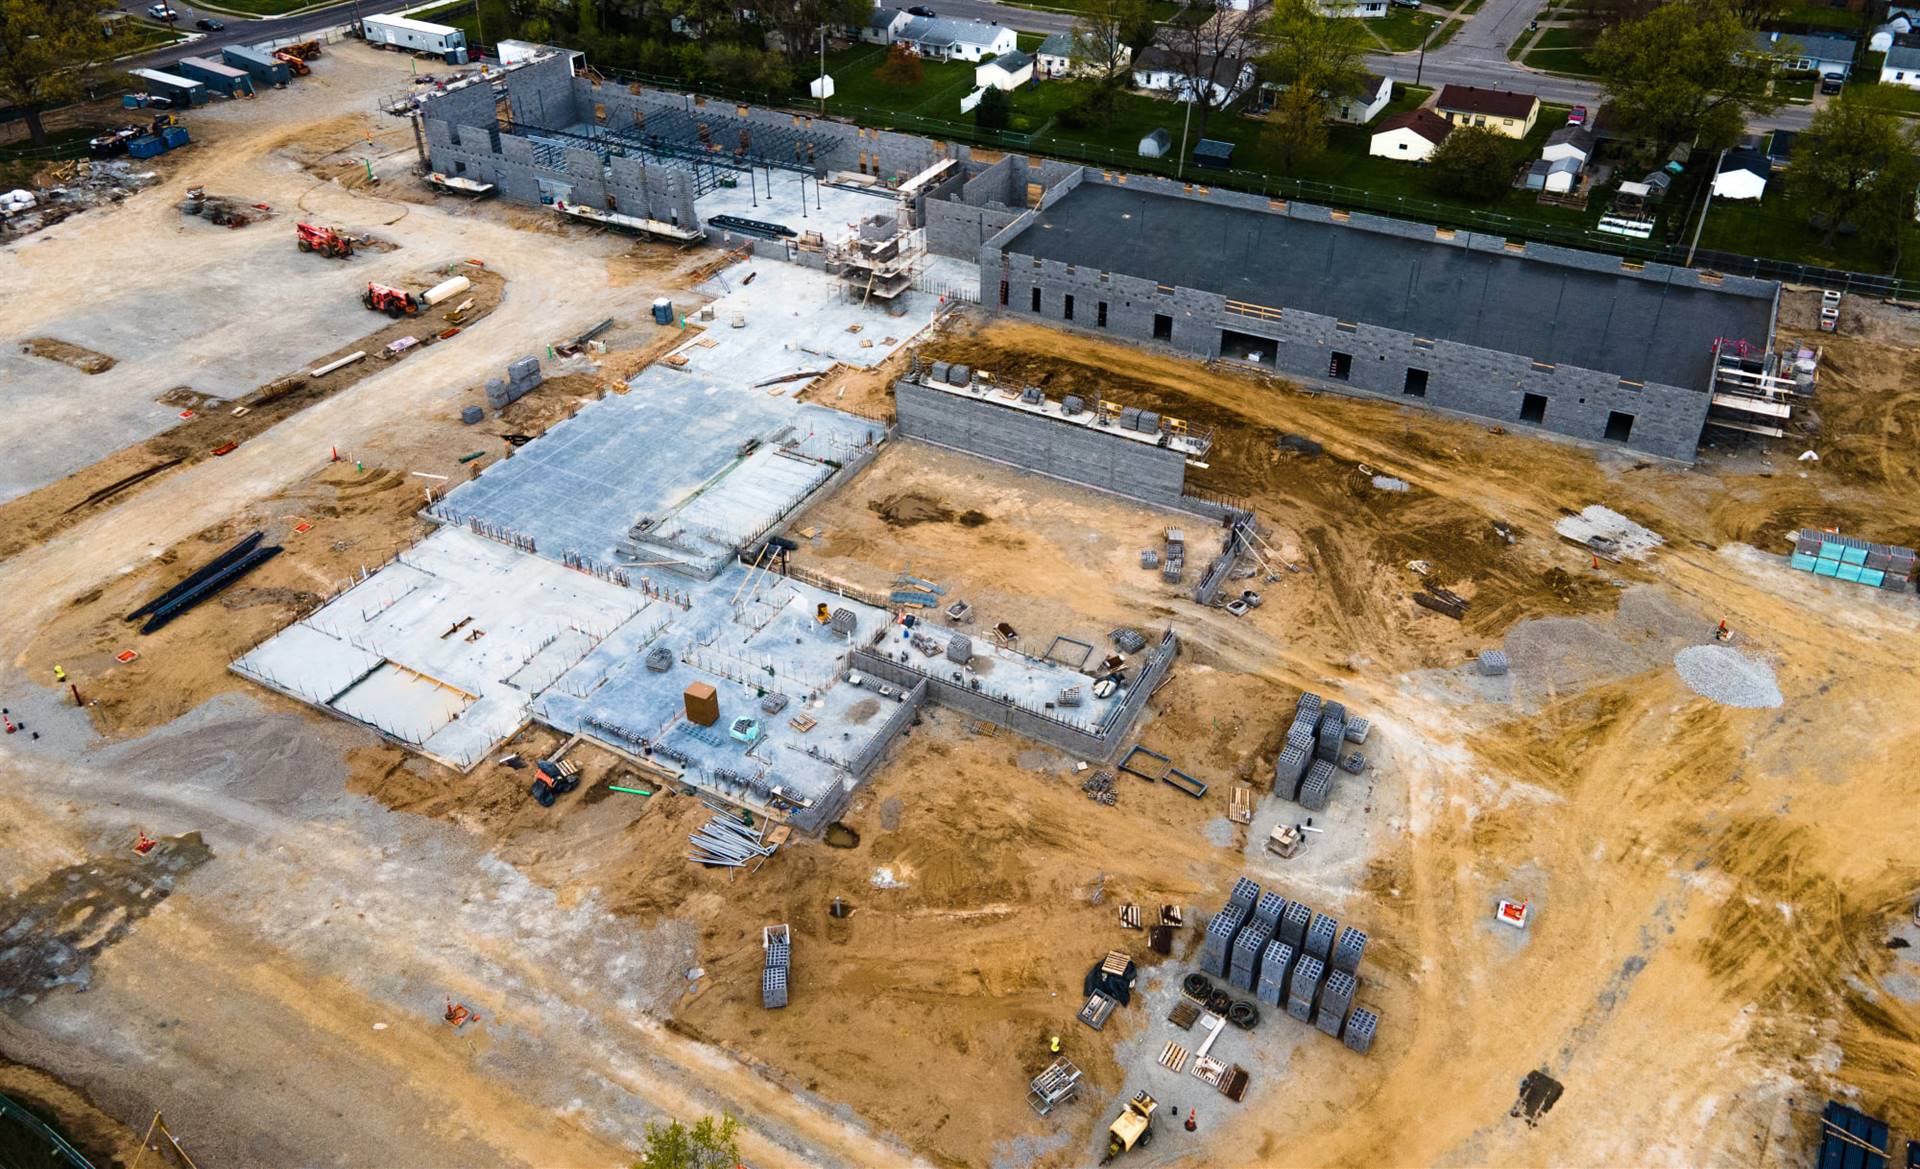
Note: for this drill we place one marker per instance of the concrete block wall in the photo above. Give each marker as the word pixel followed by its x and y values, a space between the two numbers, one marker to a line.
pixel 1462 379
pixel 959 229
pixel 1060 449
pixel 869 757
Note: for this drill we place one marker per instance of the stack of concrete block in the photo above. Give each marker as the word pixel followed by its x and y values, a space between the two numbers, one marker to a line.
pixel 523 377
pixel 1246 892
pixel 471 414
pixel 959 649
pixel 1303 992
pixel 1493 662
pixel 1216 948
pixel 939 371
pixel 843 622
pixel 773 979
pixel 1032 396
pixel 1308 707
pixel 1357 729
pixel 1317 788
pixel 1336 999
pixel 1301 733
pixel 959 375
pixel 1352 946
pixel 1275 965
pixel 1128 640
pixel 1072 404
pixel 1320 936
pixel 1267 911
pixel 1332 732
pixel 659 659
pixel 1293 924
pixel 1355 762
pixel 1360 1028
pixel 1289 770
pixel 1244 970
pixel 1149 558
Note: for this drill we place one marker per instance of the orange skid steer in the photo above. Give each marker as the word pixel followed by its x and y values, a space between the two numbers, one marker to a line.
pixel 394 302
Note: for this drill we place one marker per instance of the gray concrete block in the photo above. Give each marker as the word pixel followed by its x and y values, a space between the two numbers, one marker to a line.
pixel 1336 998
pixel 1303 992
pixel 1352 946
pixel 1361 1025
pixel 1276 964
pixel 1246 891
pixel 1294 921
pixel 1320 936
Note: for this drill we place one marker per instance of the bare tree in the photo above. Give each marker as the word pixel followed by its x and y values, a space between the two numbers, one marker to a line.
pixel 1209 60
pixel 1106 35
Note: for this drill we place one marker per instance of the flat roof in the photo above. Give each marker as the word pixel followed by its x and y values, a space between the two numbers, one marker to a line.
pixel 1612 322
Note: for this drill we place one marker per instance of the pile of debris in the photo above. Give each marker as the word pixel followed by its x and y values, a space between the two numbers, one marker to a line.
pixel 68 189
pixel 1099 788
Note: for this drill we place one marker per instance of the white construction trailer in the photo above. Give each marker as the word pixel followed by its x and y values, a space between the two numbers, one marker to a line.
pixel 416 36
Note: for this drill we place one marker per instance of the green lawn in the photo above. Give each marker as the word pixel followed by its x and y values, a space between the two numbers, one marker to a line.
pixel 1794 89
pixel 1445 34
pixel 942 85
pixel 1822 16
pixel 1897 98
pixel 1772 229
pixel 138 34
pixel 1562 37
pixel 1401 29
pixel 1572 62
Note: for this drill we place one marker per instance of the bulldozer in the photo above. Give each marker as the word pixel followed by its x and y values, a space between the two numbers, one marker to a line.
pixel 325 240
pixel 394 302
pixel 1133 1128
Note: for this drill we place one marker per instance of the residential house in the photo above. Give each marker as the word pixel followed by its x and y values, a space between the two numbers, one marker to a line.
pixel 1805 52
pixel 1500 110
pixel 1364 9
pixel 1156 144
pixel 1157 70
pixel 940 39
pixel 1008 71
pixel 1568 142
pixel 884 25
pixel 1055 57
pixel 1743 175
pixel 1410 136
pixel 1890 33
pixel 1364 104
pixel 1901 67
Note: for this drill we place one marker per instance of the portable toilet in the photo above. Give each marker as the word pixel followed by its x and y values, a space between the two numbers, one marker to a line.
pixel 261 66
pixel 182 91
pixel 219 78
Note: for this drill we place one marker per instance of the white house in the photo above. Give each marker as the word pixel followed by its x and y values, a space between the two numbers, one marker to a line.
pixel 1364 9
pixel 884 25
pixel 1409 136
pixel 1157 71
pixel 1743 175
pixel 1568 142
pixel 939 39
pixel 1054 57
pixel 1902 67
pixel 1364 104
pixel 1008 71
pixel 1805 52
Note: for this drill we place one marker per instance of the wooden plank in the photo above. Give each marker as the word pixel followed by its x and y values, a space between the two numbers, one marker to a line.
pixel 1242 810
pixel 1173 1057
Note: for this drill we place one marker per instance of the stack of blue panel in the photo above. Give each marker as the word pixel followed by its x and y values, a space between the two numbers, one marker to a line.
pixel 1880 566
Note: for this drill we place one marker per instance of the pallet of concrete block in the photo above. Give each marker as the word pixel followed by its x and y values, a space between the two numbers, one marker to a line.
pixel 777 941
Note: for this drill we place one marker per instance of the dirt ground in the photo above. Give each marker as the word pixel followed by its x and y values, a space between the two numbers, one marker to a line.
pixel 1714 888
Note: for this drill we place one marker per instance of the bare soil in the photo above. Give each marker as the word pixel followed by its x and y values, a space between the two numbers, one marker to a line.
pixel 78 356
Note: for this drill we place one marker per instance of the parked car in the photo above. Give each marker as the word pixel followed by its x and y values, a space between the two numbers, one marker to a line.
pixel 206 25
pixel 921 10
pixel 1832 83
pixel 1577 116
pixel 1414 4
pixel 162 12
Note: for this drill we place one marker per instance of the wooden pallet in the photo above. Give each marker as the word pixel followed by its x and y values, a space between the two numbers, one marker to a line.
pixel 1209 1071
pixel 1234 1084
pixel 1184 1013
pixel 1174 1058
pixel 1130 917
pixel 1242 810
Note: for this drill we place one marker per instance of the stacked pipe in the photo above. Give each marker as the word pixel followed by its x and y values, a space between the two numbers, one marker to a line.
pixel 726 842
pixel 222 571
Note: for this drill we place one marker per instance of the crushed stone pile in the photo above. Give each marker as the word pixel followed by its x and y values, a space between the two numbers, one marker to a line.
pixel 1727 676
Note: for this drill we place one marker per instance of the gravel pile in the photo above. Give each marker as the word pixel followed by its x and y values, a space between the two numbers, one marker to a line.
pixel 1727 676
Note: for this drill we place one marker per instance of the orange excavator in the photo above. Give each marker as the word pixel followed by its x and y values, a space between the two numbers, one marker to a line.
pixel 394 302
pixel 325 240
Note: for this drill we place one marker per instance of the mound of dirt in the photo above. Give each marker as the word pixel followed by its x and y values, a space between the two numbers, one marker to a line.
pixel 83 359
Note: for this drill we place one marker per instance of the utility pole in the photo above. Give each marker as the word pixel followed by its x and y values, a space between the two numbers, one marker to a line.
pixel 1704 208
pixel 1180 171
pixel 1422 66
pixel 823 84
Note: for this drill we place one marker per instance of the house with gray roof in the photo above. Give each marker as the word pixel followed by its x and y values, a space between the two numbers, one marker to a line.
pixel 1901 67
pixel 940 39
pixel 1805 52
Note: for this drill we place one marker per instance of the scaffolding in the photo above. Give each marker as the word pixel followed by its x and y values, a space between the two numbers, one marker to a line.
pixel 1753 392
pixel 878 268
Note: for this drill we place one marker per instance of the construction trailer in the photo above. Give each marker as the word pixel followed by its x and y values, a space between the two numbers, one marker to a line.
pixel 416 36
pixel 262 66
pixel 181 91
pixel 218 77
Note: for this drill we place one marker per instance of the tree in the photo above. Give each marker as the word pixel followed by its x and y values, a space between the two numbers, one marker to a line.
pixel 1675 75
pixel 1312 59
pixel 1471 162
pixel 1847 164
pixel 994 111
pixel 901 69
pixel 709 1144
pixel 49 50
pixel 798 23
pixel 745 67
pixel 1104 37
pixel 1208 59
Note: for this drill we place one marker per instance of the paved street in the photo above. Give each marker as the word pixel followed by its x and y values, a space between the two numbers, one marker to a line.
pixel 240 30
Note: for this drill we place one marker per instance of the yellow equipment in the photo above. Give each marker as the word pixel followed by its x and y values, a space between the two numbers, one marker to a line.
pixel 1133 1128
pixel 821 615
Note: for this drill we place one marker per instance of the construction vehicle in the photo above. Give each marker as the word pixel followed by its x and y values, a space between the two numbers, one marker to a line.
pixel 1133 1128
pixel 327 241
pixel 552 780
pixel 394 302
pixel 295 65
pixel 305 50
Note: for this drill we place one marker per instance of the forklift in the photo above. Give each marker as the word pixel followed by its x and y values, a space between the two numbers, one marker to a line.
pixel 1133 1128
pixel 395 302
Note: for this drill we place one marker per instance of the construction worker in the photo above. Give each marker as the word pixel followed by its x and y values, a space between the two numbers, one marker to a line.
pixel 1053 1045
pixel 60 675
